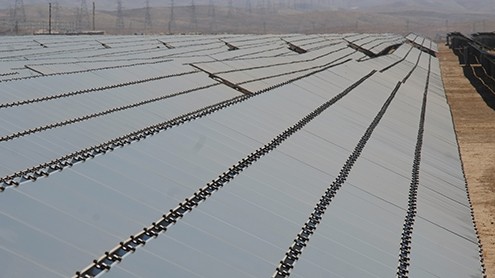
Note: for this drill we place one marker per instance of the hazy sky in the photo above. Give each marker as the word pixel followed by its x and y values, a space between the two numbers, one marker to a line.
pixel 450 5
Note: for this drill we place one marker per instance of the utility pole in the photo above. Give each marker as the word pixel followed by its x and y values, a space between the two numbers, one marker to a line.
pixel 119 24
pixel 94 15
pixel 78 23
pixel 171 21
pixel 49 18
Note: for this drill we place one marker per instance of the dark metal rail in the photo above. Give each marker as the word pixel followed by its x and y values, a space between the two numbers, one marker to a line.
pixel 407 229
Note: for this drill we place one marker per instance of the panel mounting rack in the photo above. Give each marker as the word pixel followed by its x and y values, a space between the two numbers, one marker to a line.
pixel 167 45
pixel 294 47
pixel 224 81
pixel 422 48
pixel 229 45
pixel 104 44
pixel 360 49
pixel 41 44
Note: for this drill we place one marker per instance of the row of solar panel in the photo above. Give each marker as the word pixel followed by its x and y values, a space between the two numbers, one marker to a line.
pixel 57 108
pixel 244 123
pixel 65 51
pixel 237 231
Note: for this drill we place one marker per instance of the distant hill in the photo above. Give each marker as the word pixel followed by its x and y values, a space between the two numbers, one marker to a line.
pixel 433 18
pixel 444 5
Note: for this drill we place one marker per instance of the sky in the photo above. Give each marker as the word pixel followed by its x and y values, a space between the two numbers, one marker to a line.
pixel 446 5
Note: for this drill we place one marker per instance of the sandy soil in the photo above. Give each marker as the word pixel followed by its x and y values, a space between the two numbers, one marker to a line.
pixel 475 125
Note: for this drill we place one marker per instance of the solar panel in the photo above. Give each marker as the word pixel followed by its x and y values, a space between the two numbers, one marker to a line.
pixel 179 156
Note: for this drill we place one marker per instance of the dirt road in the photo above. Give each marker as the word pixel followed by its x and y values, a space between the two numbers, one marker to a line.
pixel 475 125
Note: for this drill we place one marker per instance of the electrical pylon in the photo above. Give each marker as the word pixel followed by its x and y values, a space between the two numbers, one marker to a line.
pixel 119 24
pixel 194 16
pixel 171 22
pixel 147 16
pixel 19 13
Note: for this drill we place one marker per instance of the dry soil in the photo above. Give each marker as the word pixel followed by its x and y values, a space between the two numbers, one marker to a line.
pixel 475 126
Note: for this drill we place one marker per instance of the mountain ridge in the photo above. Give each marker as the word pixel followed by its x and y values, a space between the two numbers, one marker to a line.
pixel 445 6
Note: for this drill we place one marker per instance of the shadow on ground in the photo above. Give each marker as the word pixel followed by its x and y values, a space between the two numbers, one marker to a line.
pixel 481 81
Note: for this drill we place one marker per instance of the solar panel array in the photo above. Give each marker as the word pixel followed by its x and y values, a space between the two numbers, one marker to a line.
pixel 230 156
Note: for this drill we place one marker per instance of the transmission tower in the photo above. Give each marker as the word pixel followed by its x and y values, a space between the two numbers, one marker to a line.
pixel 12 22
pixel 194 18
pixel 269 6
pixel 18 14
pixel 211 15
pixel 260 5
pixel 147 16
pixel 119 24
pixel 84 14
pixel 231 9
pixel 171 22
pixel 211 9
pixel 279 4
pixel 82 17
pixel 248 6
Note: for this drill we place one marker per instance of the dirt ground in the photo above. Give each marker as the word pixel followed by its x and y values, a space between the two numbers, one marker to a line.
pixel 475 125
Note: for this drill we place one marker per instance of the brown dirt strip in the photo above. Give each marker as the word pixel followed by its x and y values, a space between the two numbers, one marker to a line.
pixel 474 122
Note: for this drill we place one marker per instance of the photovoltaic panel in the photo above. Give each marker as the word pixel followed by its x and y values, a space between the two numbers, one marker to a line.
pixel 132 147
